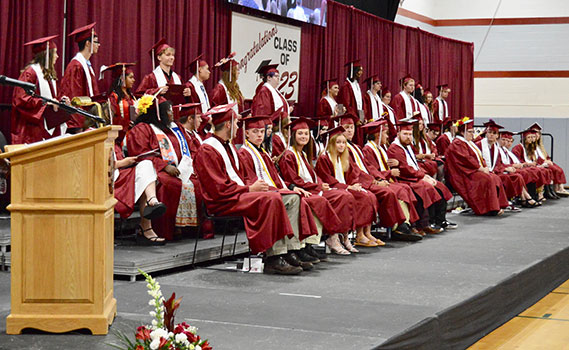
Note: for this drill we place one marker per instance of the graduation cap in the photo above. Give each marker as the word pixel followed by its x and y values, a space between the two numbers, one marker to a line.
pixel 491 125
pixel 245 113
pixel 84 33
pixel 334 131
pixel 405 79
pixel 326 84
pixel 434 126
pixel 448 121
pixel 427 91
pixel 221 113
pixel 196 63
pixel 322 120
pixel 185 109
pixel 506 135
pixel 385 90
pixel 255 122
pixel 266 68
pixel 45 43
pixel 535 126
pixel 347 118
pixel 372 80
pixel 406 123
pixel 157 49
pixel 118 70
pixel 528 131
pixel 467 122
pixel 374 127
pixel 442 86
pixel 301 123
pixel 353 64
pixel 278 115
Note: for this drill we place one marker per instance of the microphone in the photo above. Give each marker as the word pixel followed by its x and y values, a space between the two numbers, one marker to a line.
pixel 4 80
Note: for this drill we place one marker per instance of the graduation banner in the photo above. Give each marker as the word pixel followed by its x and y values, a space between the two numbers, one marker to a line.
pixel 255 40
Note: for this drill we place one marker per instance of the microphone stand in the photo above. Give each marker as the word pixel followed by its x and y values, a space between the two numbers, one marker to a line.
pixel 67 108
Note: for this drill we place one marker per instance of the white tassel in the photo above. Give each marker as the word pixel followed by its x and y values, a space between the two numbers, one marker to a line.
pixel 47 56
pixel 153 64
pixel 92 39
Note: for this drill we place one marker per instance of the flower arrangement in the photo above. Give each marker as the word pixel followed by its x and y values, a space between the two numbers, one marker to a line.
pixel 463 121
pixel 141 105
pixel 163 334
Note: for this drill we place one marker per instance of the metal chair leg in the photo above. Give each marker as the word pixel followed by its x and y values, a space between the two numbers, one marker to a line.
pixel 235 243
pixel 223 239
pixel 196 246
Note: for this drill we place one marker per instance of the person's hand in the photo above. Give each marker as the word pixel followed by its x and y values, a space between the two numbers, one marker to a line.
pixel 302 192
pixel 484 170
pixel 431 156
pixel 325 187
pixel 259 186
pixel 274 159
pixel 395 172
pixel 164 89
pixel 392 162
pixel 128 161
pixel 545 165
pixel 172 170
pixel 65 100
pixel 290 109
pixel 420 156
pixel 355 187
pixel 510 169
pixel 548 162
pixel 382 183
pixel 518 165
pixel 187 92
pixel 430 180
pixel 55 107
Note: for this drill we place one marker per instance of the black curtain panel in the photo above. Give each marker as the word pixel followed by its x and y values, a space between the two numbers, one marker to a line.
pixel 386 9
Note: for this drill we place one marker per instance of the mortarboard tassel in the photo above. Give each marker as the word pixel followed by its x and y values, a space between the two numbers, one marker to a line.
pixel 351 71
pixel 110 112
pixel 92 39
pixel 232 121
pixel 47 56
pixel 123 76
pixel 153 64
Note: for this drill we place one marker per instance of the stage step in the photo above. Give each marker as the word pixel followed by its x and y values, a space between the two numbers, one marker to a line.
pixel 130 257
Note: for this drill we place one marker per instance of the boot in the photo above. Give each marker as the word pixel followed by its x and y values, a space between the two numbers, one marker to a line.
pixel 310 250
pixel 277 265
pixel 294 260
pixel 304 256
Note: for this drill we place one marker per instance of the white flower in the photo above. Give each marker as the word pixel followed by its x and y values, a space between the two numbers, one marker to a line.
pixel 153 313
pixel 154 323
pixel 151 302
pixel 159 333
pixel 192 329
pixel 181 338
pixel 198 347
pixel 155 344
pixel 192 347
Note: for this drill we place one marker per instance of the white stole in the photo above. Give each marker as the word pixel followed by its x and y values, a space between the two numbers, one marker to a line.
pixel 201 94
pixel 424 112
pixel 261 168
pixel 332 103
pixel 443 111
pixel 359 160
pixel 229 99
pixel 391 113
pixel 376 105
pixel 379 152
pixel 449 135
pixel 161 78
pixel 473 148
pixel 214 142
pixel 355 85
pixel 408 107
pixel 486 154
pixel 338 170
pixel 278 99
pixel 540 153
pixel 88 71
pixel 46 92
pixel 514 159
pixel 303 171
pixel 409 154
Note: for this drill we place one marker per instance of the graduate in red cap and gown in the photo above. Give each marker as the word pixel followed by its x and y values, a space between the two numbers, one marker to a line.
pixel 79 78
pixel 514 184
pixel 392 212
pixel 120 97
pixel 315 211
pixel 161 75
pixel 469 175
pixel 390 117
pixel 155 131
pixel 373 106
pixel 225 193
pixel 189 115
pixel 279 135
pixel 335 168
pixel 559 178
pixel 447 137
pixel 28 122
pixel 328 107
pixel 404 104
pixel 268 99
pixel 351 96
pixel 227 89
pixel 440 104
pixel 430 193
pixel 199 68
pixel 422 149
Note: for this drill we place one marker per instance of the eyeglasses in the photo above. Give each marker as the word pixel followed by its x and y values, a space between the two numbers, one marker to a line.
pixel 97 42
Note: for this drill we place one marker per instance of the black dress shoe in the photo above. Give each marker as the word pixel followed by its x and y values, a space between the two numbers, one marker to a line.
pixel 305 257
pixel 409 237
pixel 278 265
pixel 404 229
pixel 313 252
pixel 294 260
pixel 448 225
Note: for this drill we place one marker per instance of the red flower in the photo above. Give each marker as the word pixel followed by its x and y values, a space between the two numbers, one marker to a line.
pixel 139 347
pixel 143 333
pixel 192 338
pixel 163 341
pixel 205 346
pixel 170 307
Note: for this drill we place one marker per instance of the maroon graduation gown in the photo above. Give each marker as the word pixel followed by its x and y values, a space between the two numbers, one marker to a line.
pixel 27 113
pixel 365 202
pixel 265 216
pixel 427 165
pixel 342 202
pixel 121 113
pixel 142 139
pixel 306 224
pixel 436 107
pixel 347 98
pixel 263 103
pixel 389 210
pixel 530 174
pixel 278 146
pixel 442 143
pixel 546 173
pixel 413 177
pixel 398 105
pixel 483 192
pixel 324 109
pixel 74 83
pixel 513 183
pixel 124 187
pixel 149 85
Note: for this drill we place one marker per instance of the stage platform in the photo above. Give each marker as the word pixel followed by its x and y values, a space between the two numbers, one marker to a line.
pixel 444 292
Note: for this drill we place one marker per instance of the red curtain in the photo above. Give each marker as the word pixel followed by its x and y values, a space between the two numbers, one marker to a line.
pixel 128 28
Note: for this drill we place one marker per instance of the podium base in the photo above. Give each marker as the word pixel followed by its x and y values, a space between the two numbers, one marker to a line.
pixel 97 324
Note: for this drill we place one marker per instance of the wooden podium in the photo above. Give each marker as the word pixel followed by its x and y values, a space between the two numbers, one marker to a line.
pixel 62 213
